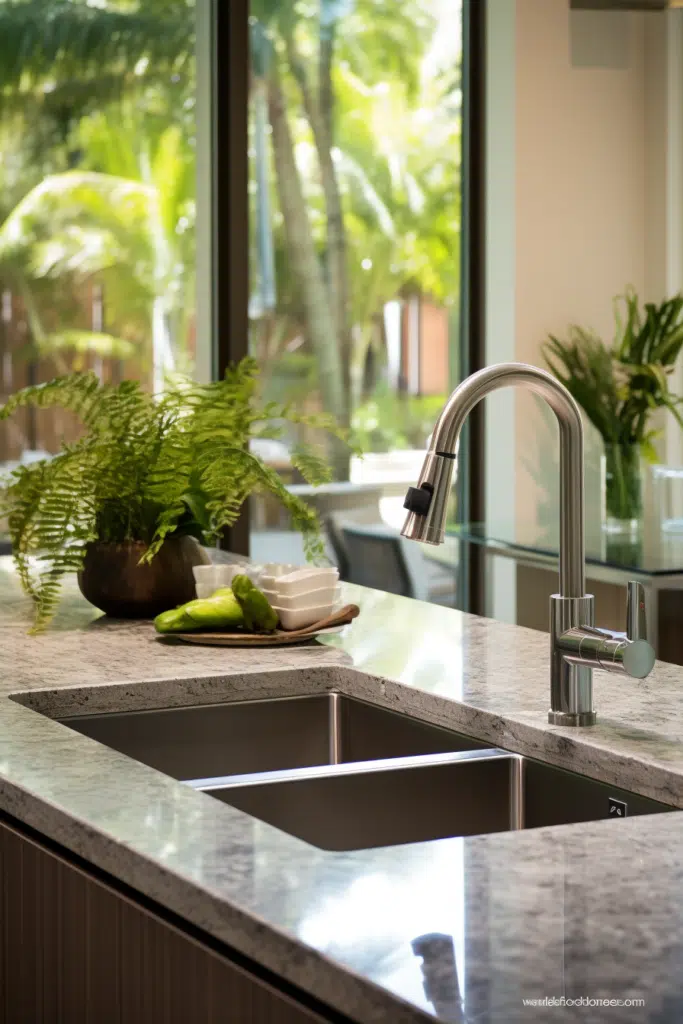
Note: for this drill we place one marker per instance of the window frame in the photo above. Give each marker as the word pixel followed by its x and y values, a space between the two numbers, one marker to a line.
pixel 229 208
pixel 229 220
pixel 471 495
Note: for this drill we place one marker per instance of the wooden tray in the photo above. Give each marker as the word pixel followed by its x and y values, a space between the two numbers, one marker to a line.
pixel 279 638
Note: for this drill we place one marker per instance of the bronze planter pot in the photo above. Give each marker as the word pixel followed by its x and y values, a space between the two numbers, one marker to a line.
pixel 113 580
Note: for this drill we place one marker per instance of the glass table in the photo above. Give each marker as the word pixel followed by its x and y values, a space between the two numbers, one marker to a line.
pixel 651 556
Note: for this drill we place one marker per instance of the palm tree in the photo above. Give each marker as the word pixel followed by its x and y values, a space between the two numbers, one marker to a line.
pixel 77 54
pixel 340 187
pixel 296 65
pixel 368 187
pixel 130 222
pixel 62 62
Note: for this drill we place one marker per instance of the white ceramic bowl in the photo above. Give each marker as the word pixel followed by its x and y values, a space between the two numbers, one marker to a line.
pixel 209 578
pixel 279 568
pixel 302 581
pixel 311 599
pixel 254 572
pixel 205 575
pixel 299 618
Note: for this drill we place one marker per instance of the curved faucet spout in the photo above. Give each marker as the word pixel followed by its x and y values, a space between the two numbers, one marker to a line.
pixel 428 503
pixel 576 645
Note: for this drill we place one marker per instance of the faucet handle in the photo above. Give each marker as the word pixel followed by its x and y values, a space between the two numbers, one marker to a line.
pixel 636 618
pixel 418 499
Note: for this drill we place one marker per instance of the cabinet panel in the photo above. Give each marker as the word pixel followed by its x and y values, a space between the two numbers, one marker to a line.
pixel 73 950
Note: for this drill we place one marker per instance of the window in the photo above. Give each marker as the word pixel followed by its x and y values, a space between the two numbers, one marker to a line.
pixel 353 248
pixel 97 198
pixel 355 211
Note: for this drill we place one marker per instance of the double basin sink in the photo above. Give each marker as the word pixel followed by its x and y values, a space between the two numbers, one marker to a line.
pixel 343 774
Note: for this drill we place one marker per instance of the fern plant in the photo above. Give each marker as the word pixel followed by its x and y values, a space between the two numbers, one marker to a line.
pixel 145 468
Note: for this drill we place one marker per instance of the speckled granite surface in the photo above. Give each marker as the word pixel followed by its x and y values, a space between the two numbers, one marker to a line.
pixel 589 911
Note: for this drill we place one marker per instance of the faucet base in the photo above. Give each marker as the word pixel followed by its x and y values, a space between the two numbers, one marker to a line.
pixel 572 718
pixel 571 682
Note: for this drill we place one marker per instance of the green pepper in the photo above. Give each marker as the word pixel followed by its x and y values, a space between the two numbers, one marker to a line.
pixel 258 614
pixel 174 621
pixel 241 586
pixel 221 611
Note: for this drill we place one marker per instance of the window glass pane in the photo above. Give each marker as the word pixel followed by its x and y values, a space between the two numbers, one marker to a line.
pixel 355 157
pixel 97 198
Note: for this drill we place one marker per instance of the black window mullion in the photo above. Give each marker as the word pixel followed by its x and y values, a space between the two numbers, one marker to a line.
pixel 229 203
pixel 471 477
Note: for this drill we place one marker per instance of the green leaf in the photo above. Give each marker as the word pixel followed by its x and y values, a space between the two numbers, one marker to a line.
pixel 621 386
pixel 649 451
pixel 145 469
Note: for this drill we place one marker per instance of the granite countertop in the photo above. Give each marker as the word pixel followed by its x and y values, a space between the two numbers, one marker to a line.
pixel 589 910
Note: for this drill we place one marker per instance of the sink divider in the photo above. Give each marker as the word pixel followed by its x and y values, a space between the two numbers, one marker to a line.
pixel 372 767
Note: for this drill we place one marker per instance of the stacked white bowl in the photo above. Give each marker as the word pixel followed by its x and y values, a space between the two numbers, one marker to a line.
pixel 209 578
pixel 300 596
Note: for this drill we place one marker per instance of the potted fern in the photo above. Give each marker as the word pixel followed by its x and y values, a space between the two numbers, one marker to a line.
pixel 620 387
pixel 126 506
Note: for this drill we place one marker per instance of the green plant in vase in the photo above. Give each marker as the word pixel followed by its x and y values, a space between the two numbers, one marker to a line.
pixel 621 386
pixel 126 504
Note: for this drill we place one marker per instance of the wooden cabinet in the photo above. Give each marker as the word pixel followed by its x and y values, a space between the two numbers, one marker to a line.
pixel 75 950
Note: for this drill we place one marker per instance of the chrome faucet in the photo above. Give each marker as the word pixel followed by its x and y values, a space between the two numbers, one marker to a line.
pixel 576 644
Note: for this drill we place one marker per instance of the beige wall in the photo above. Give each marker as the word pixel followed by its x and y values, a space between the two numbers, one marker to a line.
pixel 581 173
pixel 434 354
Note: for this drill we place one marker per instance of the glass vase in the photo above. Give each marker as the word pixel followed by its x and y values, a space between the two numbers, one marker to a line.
pixel 623 488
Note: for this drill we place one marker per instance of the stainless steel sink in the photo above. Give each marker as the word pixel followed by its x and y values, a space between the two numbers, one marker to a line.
pixel 343 774
pixel 407 800
pixel 262 735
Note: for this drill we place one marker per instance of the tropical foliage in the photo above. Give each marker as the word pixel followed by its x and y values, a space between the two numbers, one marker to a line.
pixel 387 421
pixel 97 170
pixel 622 385
pixel 365 148
pixel 354 143
pixel 146 468
pixel 131 225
